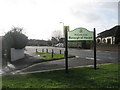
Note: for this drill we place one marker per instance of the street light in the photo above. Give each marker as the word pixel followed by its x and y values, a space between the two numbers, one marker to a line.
pixel 66 46
pixel 63 28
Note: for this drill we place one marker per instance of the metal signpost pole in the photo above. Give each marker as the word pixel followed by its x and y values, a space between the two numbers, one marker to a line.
pixel 66 49
pixel 94 49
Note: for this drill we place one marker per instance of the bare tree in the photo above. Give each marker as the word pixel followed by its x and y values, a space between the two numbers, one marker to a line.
pixel 57 34
pixel 18 29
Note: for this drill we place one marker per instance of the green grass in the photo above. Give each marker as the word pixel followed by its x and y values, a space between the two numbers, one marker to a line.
pixel 48 56
pixel 0 81
pixel 86 77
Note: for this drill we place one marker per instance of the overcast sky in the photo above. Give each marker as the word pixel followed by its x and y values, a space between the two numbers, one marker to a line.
pixel 39 18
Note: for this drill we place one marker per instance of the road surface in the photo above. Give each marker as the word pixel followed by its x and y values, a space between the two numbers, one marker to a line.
pixel 84 58
pixel 86 54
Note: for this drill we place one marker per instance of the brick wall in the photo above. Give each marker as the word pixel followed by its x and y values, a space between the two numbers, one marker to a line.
pixel 107 47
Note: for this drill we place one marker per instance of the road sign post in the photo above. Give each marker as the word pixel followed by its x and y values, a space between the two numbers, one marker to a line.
pixel 94 49
pixel 60 51
pixel 36 51
pixel 52 53
pixel 82 34
pixel 42 50
pixel 66 47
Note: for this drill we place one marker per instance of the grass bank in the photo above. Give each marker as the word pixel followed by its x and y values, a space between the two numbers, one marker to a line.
pixel 85 77
pixel 48 56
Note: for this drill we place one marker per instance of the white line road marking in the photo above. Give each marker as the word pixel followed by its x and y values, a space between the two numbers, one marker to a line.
pixel 91 58
pixel 77 56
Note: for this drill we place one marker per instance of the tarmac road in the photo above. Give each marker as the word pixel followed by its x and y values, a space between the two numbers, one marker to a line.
pixel 86 54
pixel 84 58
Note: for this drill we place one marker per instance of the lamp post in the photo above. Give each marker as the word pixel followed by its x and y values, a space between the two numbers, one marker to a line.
pixel 63 28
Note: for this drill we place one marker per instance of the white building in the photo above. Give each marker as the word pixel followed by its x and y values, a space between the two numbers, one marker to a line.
pixel 111 36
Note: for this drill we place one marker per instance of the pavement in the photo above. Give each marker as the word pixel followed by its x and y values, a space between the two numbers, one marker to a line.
pixel 30 64
pixel 27 61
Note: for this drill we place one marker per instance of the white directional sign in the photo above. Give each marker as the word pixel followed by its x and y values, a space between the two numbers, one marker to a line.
pixel 79 34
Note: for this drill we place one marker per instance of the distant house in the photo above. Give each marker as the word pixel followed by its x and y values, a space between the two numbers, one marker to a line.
pixel 111 36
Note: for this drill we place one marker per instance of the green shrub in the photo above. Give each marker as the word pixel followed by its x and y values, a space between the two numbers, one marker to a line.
pixel 13 39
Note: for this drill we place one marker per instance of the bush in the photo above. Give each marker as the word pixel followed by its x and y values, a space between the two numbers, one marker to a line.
pixel 15 39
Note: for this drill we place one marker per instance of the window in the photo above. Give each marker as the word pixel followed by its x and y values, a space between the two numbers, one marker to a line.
pixel 108 41
pixel 98 40
pixel 104 41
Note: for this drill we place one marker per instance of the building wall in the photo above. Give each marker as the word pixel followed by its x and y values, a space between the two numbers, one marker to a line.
pixel 17 54
pixel 108 47
pixel 108 40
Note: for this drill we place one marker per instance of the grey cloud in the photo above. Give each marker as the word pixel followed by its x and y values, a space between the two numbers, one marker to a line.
pixel 92 12
pixel 108 5
pixel 119 13
pixel 88 15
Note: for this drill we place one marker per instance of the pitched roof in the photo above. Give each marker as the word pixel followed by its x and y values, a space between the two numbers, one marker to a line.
pixel 115 31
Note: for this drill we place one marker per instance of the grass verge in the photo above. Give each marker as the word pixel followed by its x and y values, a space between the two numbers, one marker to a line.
pixel 85 77
pixel 48 56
